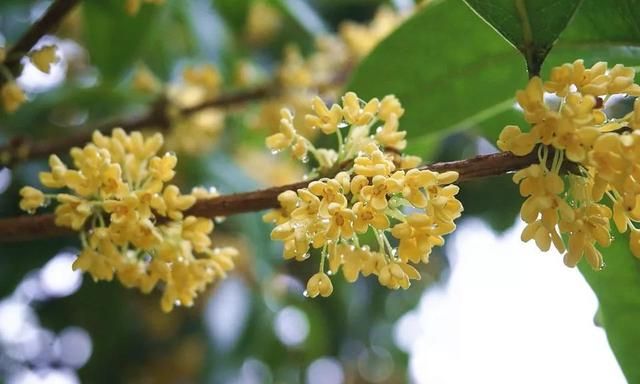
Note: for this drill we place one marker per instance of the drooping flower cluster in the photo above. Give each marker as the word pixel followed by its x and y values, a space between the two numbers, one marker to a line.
pixel 371 193
pixel 11 95
pixel 603 153
pixel 131 221
pixel 197 131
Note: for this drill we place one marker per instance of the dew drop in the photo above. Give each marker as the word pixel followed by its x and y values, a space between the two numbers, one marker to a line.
pixel 177 303
pixel 305 177
pixel 305 293
pixel 305 256
pixel 305 159
pixel 275 151
pixel 220 219
pixel 330 272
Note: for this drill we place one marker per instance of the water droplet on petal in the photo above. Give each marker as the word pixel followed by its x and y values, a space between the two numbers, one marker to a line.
pixel 177 303
pixel 305 293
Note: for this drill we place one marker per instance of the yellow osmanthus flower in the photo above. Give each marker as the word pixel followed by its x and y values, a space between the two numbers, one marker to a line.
pixel 368 194
pixel 145 81
pixel 321 74
pixel 132 223
pixel 263 22
pixel 361 39
pixel 192 126
pixel 603 152
pixel 197 131
pixel 12 96
pixel 43 58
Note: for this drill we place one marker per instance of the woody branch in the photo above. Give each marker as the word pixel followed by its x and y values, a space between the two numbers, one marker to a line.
pixel 43 226
pixel 48 22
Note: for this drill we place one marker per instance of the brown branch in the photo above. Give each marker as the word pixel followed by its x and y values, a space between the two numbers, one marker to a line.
pixel 20 148
pixel 48 22
pixel 42 226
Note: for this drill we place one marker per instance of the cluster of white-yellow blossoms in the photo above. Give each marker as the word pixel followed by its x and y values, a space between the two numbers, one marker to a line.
pixel 375 193
pixel 11 95
pixel 193 132
pixel 132 223
pixel 572 126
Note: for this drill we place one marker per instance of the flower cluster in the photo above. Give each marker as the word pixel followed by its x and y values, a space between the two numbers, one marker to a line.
pixel 11 95
pixel 603 153
pixel 132 223
pixel 372 193
pixel 197 131
pixel 300 78
pixel 263 22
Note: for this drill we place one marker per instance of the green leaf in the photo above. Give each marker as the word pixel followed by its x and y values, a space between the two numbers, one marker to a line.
pixel 449 69
pixel 617 287
pixel 234 13
pixel 593 37
pixel 531 26
pixel 452 72
pixel 114 38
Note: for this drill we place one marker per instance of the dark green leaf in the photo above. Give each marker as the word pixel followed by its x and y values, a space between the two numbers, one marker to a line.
pixel 617 287
pixel 234 13
pixel 593 36
pixel 452 72
pixel 114 38
pixel 531 26
pixel 448 68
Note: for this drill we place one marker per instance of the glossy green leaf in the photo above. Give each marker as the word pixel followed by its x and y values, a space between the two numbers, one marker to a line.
pixel 531 26
pixel 617 287
pixel 601 30
pixel 114 38
pixel 449 69
pixel 453 72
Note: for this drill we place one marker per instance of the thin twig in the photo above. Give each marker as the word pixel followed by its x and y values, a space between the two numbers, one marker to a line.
pixel 42 226
pixel 20 148
pixel 48 22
